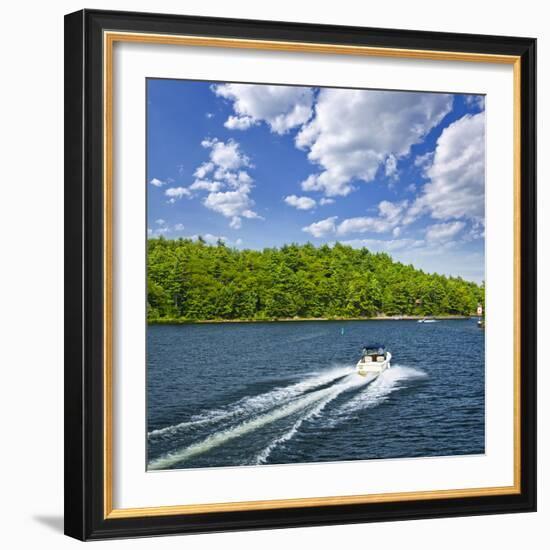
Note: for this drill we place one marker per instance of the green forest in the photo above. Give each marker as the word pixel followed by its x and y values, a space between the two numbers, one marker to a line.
pixel 193 281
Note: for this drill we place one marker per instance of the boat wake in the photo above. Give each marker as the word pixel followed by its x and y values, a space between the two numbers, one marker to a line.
pixel 255 404
pixel 379 390
pixel 272 419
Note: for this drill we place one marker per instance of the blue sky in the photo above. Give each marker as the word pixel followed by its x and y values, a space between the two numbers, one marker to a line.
pixel 260 166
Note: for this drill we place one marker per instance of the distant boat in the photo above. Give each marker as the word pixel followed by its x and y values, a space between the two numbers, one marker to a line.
pixel 374 360
pixel 481 323
pixel 424 320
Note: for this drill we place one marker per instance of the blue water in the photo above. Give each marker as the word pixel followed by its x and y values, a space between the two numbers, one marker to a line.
pixel 275 393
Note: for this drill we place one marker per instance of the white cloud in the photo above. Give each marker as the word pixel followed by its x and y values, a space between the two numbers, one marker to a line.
pixel 179 227
pixel 301 203
pixel 476 101
pixel 236 222
pixel 229 203
pixel 324 201
pixel 396 231
pixel 477 231
pixel 213 239
pixel 424 160
pixel 391 167
pixel 443 232
pixel 280 107
pixel 160 221
pixel 389 216
pixel 354 132
pixel 415 210
pixel 457 175
pixel 205 185
pixel 239 122
pixel 204 169
pixel 177 193
pixel 209 115
pixel 228 185
pixel 411 188
pixel 157 183
pixel 226 155
pixel 322 228
pixel 233 204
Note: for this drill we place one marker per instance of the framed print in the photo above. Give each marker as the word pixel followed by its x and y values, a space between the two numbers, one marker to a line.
pixel 300 274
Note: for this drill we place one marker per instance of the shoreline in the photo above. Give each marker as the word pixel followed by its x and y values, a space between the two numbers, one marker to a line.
pixel 308 319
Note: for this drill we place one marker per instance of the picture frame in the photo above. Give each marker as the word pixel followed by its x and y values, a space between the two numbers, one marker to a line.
pixel 90 161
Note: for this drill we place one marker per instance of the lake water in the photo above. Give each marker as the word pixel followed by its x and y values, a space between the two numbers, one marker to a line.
pixel 248 394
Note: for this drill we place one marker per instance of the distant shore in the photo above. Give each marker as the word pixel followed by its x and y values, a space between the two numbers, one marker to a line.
pixel 167 321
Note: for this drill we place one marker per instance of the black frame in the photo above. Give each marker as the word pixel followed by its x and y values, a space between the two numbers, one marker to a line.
pixel 84 275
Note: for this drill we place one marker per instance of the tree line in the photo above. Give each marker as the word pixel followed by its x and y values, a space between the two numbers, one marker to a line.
pixel 192 281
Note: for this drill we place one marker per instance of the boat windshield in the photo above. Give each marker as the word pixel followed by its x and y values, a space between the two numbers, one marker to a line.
pixel 379 350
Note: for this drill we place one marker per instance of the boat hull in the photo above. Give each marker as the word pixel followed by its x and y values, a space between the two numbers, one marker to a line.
pixel 374 367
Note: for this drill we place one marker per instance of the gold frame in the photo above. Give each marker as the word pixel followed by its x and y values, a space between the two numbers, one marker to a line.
pixel 109 39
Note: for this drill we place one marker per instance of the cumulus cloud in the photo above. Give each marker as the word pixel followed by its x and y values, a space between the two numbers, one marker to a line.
pixel 322 228
pixel 205 185
pixel 156 182
pixel 229 203
pixel 301 203
pixel 164 228
pixel 354 132
pixel 390 214
pixel 443 232
pixel 239 122
pixel 226 155
pixel 475 101
pixel 280 107
pixel 204 169
pixel 391 167
pixel 174 193
pixel 424 160
pixel 457 174
pixel 325 201
pixel 225 179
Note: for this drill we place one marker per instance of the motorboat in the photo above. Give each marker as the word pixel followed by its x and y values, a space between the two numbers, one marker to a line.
pixel 424 320
pixel 375 359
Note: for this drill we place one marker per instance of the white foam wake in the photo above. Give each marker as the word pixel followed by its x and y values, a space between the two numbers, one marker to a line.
pixel 320 398
pixel 380 389
pixel 255 404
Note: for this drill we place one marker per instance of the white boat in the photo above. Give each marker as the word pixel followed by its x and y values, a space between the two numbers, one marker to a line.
pixel 374 360
pixel 427 320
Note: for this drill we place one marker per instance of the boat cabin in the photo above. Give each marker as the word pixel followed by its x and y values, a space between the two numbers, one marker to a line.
pixel 374 353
